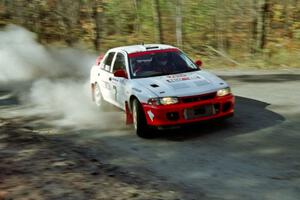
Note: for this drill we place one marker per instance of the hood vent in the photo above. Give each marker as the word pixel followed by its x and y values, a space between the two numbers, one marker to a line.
pixel 200 83
pixel 154 85
pixel 180 86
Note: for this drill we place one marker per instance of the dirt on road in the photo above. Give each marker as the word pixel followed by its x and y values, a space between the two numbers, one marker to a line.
pixel 54 144
pixel 35 167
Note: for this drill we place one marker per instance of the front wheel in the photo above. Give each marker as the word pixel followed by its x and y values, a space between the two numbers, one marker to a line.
pixel 139 121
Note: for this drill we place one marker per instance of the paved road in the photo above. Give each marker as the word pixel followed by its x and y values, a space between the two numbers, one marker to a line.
pixel 255 155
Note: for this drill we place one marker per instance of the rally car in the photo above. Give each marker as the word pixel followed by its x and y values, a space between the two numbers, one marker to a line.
pixel 158 86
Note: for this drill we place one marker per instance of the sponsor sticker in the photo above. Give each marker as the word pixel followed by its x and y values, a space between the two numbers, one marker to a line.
pixel 150 114
pixel 182 77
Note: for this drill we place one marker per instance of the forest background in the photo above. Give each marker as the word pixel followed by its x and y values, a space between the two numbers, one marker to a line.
pixel 223 33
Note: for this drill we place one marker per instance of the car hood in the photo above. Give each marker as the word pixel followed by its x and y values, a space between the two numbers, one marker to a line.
pixel 184 84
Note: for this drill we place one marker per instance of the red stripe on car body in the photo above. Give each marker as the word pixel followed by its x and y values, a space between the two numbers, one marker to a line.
pixel 160 111
pixel 142 53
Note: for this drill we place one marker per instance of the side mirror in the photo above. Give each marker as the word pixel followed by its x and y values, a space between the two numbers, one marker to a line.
pixel 198 63
pixel 120 73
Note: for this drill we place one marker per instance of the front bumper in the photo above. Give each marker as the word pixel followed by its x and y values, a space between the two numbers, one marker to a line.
pixel 183 113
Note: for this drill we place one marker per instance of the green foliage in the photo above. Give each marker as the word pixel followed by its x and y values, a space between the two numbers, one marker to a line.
pixel 222 32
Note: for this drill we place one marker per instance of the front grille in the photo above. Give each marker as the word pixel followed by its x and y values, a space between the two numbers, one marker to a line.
pixel 201 111
pixel 202 97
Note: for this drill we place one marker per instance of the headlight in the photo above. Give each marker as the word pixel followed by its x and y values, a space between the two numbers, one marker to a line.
pixel 163 101
pixel 223 92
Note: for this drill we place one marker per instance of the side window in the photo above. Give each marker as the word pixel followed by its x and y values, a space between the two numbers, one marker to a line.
pixel 108 60
pixel 119 62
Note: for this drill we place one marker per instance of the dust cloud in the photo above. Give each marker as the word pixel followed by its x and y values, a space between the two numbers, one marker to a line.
pixel 54 82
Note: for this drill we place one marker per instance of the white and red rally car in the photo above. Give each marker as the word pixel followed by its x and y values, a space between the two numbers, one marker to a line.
pixel 157 86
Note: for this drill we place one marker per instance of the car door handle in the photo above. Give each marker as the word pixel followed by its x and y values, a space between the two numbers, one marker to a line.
pixel 109 78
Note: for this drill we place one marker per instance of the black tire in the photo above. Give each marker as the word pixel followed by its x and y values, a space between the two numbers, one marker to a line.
pixel 139 121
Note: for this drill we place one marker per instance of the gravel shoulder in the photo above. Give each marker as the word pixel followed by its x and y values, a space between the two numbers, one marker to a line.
pixel 36 167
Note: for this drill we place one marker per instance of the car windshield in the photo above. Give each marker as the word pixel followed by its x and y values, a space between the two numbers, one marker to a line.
pixel 159 63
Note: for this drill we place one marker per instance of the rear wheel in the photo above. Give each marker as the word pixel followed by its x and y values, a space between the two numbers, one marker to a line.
pixel 99 101
pixel 139 121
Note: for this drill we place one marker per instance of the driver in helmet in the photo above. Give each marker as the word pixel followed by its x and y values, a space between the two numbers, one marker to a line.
pixel 160 63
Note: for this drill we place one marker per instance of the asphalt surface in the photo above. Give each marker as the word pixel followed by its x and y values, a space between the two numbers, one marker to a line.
pixel 254 155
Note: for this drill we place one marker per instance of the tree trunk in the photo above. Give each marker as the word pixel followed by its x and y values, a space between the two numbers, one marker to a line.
pixel 263 24
pixel 179 23
pixel 295 16
pixel 220 25
pixel 7 15
pixel 286 17
pixel 157 21
pixel 136 4
pixel 265 12
pixel 254 31
pixel 97 16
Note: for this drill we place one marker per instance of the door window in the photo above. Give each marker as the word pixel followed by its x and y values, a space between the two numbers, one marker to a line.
pixel 108 61
pixel 119 62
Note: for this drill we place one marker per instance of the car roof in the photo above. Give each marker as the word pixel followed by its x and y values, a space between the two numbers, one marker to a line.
pixel 142 48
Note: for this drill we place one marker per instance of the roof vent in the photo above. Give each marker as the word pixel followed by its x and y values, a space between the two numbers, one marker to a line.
pixel 154 85
pixel 152 47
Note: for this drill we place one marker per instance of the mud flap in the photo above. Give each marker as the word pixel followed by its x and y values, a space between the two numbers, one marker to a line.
pixel 93 92
pixel 129 119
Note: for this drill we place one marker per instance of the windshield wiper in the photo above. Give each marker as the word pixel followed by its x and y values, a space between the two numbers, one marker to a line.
pixel 191 70
pixel 152 74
